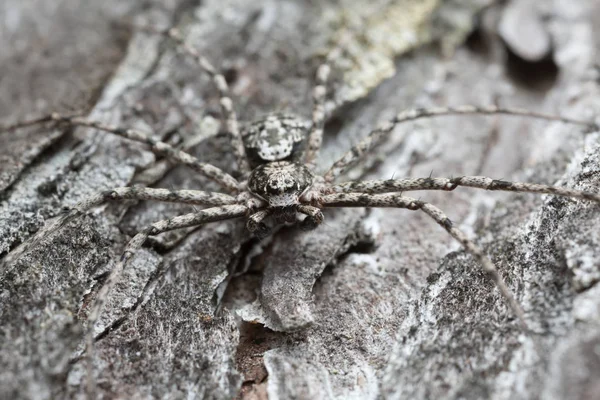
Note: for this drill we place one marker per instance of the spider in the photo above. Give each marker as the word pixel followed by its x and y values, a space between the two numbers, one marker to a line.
pixel 276 159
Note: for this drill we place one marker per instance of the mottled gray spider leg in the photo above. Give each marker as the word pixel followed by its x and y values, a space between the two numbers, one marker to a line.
pixel 399 201
pixel 34 121
pixel 152 174
pixel 155 172
pixel 181 157
pixel 195 197
pixel 322 110
pixel 314 217
pixel 377 136
pixel 315 137
pixel 255 223
pixel 479 182
pixel 220 82
pixel 159 168
pixel 182 221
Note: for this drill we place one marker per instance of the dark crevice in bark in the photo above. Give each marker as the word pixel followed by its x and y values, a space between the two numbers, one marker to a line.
pixel 537 76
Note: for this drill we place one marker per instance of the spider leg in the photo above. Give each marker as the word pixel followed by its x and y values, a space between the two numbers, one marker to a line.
pixel 158 170
pixel 181 157
pixel 34 121
pixel 231 121
pixel 195 197
pixel 380 134
pixel 314 217
pixel 399 201
pixel 152 174
pixel 315 137
pixel 323 110
pixel 479 182
pixel 255 223
pixel 183 221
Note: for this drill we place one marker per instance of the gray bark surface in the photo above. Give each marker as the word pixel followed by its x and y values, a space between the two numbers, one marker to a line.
pixel 375 303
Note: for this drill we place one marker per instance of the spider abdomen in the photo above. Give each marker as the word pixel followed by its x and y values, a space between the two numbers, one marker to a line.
pixel 276 137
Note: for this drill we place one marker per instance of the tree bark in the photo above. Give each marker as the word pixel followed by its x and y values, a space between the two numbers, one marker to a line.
pixel 375 303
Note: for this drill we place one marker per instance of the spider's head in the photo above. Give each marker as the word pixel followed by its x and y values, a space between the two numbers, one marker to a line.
pixel 280 183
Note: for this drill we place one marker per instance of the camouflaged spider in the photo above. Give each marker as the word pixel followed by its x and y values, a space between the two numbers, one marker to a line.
pixel 276 158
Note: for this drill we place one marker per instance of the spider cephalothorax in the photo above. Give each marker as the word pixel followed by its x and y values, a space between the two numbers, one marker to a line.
pixel 280 183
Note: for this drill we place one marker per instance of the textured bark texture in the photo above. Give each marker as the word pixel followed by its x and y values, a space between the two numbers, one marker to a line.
pixel 373 304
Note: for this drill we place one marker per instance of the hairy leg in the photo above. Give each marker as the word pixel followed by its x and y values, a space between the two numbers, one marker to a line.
pixel 379 135
pixel 178 156
pixel 315 137
pixel 182 221
pixel 158 170
pixel 255 223
pixel 220 82
pixel 323 110
pixel 399 201
pixel 195 197
pixel 480 182
pixel 314 217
